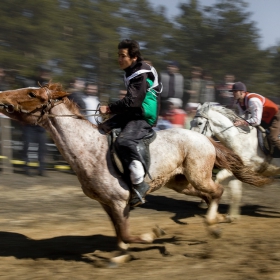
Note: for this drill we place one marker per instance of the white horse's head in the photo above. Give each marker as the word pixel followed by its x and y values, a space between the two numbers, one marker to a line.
pixel 200 122
pixel 217 121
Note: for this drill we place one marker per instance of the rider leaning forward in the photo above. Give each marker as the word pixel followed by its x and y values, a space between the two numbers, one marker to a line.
pixel 263 112
pixel 135 114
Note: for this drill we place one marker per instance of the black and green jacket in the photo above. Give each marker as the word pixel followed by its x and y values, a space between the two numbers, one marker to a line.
pixel 142 98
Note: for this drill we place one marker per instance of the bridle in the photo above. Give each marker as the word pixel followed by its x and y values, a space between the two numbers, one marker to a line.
pixel 10 108
pixel 44 109
pixel 206 126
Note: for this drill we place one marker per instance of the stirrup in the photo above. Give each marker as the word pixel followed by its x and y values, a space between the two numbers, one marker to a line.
pixel 142 200
pixel 138 196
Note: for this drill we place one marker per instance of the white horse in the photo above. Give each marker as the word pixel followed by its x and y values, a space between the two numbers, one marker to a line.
pixel 180 159
pixel 217 121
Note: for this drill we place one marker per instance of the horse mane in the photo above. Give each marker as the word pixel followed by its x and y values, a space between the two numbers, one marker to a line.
pixel 228 113
pixel 58 92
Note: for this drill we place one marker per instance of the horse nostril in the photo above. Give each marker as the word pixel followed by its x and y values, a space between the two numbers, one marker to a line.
pixel 9 108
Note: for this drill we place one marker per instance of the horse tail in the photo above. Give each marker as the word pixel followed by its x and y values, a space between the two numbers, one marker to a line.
pixel 227 159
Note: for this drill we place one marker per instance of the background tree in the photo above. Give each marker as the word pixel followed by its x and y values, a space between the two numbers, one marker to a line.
pixel 80 37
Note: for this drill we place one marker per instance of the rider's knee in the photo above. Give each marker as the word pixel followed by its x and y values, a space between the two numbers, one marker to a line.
pixel 136 172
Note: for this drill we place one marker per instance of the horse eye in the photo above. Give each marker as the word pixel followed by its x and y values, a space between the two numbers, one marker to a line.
pixel 200 123
pixel 31 94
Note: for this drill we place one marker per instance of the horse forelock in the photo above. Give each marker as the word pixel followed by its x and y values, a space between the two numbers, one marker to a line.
pixel 57 92
pixel 203 110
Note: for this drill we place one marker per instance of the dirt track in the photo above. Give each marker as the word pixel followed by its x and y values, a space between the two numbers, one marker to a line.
pixel 51 230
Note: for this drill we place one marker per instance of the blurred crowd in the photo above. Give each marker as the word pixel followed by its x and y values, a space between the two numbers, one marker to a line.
pixel 179 100
pixel 182 95
pixel 84 93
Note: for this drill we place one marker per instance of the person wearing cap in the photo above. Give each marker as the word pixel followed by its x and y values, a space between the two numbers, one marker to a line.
pixel 194 87
pixel 173 85
pixel 263 112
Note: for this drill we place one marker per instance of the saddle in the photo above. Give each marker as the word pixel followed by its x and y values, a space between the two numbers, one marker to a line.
pixel 265 144
pixel 142 148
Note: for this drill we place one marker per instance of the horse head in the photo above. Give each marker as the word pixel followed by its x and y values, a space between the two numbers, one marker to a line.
pixel 29 105
pixel 217 121
pixel 200 122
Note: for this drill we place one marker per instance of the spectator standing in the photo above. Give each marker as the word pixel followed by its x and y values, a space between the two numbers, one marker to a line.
pixel 173 85
pixel 91 102
pixel 77 94
pixel 224 95
pixel 191 111
pixel 194 87
pixel 208 89
pixel 36 133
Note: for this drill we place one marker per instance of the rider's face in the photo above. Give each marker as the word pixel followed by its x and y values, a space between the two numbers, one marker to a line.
pixel 124 59
pixel 238 95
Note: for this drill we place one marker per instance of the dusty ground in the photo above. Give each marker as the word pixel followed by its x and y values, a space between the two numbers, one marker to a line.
pixel 51 230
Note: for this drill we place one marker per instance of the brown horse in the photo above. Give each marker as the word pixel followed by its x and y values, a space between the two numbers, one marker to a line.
pixel 181 159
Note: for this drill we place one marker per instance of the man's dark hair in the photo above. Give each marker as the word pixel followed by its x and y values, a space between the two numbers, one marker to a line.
pixel 133 48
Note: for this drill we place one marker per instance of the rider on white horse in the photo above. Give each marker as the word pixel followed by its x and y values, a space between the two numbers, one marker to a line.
pixel 136 113
pixel 263 112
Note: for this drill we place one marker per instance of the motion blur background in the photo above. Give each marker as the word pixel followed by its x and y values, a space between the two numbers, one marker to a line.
pixel 79 38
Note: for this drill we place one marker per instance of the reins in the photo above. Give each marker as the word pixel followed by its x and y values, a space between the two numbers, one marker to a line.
pixel 73 115
pixel 207 124
pixel 44 109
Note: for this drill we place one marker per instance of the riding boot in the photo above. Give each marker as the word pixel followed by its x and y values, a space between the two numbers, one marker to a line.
pixel 139 192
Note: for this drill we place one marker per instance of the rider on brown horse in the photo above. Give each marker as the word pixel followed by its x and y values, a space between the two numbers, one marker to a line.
pixel 135 114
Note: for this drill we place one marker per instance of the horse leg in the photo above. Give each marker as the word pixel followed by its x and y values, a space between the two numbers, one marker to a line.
pixel 236 195
pixel 204 184
pixel 210 192
pixel 119 215
pixel 180 184
pixel 108 210
pixel 226 178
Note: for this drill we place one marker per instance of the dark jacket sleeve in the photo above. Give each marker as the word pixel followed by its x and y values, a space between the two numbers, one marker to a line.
pixel 132 102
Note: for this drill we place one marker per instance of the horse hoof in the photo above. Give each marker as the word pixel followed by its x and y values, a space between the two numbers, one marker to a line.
pixel 229 219
pixel 120 259
pixel 158 231
pixel 203 205
pixel 215 232
pixel 221 218
pixel 123 246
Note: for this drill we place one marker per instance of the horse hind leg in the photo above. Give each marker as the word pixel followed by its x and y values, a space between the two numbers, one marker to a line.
pixel 212 193
pixel 180 184
pixel 204 188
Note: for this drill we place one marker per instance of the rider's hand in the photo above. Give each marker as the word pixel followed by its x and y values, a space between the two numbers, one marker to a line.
pixel 241 123
pixel 104 109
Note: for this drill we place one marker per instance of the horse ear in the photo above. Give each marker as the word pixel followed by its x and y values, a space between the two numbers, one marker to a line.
pixel 198 107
